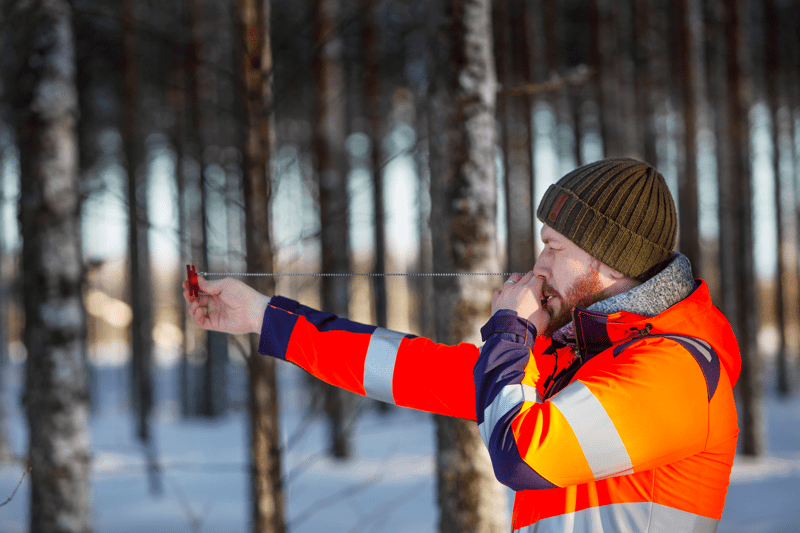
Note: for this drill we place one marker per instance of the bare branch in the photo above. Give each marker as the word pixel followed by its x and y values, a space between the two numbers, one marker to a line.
pixel 579 75
pixel 17 487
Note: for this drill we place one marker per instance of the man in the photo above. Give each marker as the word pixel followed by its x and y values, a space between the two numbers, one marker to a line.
pixel 604 388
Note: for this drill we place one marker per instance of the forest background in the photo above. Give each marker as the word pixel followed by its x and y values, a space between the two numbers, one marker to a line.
pixel 350 136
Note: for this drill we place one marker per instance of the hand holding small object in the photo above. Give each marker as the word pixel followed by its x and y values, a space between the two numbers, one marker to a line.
pixel 226 305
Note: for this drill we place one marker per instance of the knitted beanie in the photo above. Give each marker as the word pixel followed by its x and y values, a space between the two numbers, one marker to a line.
pixel 620 211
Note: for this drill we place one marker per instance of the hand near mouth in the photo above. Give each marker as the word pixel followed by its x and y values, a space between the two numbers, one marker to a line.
pixel 524 296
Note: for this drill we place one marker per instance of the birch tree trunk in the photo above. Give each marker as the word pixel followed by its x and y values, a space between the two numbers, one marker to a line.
pixel 329 131
pixel 56 397
pixel 258 152
pixel 462 89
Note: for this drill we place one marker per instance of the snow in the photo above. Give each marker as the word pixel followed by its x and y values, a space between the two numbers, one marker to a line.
pixel 389 485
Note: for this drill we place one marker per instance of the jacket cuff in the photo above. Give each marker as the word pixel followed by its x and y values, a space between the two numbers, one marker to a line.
pixel 276 327
pixel 506 321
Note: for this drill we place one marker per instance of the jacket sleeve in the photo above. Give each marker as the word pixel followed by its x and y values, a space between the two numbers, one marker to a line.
pixel 382 364
pixel 626 411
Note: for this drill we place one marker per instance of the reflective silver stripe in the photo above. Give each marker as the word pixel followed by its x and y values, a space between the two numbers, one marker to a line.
pixel 509 397
pixel 595 431
pixel 379 364
pixel 636 517
pixel 702 346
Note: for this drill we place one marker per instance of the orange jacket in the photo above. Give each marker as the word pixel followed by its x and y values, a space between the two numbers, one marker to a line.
pixel 638 435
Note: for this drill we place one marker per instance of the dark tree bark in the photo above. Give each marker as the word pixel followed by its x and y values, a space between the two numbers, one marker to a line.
pixel 793 82
pixel 736 200
pixel 213 400
pixel 329 166
pixel 5 447
pixel 215 374
pixel 178 101
pixel 624 84
pixel 138 249
pixel 604 51
pixel 258 154
pixel 56 396
pixel 462 89
pixel 686 56
pixel 374 109
pixel 648 63
pixel 514 116
pixel 772 30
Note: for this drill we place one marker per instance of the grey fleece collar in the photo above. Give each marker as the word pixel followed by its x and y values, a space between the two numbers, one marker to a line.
pixel 652 297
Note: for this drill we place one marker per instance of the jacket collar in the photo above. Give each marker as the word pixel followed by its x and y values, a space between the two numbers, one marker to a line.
pixel 609 321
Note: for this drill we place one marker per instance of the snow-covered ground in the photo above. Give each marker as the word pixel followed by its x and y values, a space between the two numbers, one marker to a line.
pixel 388 487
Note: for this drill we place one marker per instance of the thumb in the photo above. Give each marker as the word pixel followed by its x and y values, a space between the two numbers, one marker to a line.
pixel 209 287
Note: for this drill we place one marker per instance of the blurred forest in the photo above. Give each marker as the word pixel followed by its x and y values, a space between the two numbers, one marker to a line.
pixel 347 136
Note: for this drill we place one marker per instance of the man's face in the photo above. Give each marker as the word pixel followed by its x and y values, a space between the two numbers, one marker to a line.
pixel 572 278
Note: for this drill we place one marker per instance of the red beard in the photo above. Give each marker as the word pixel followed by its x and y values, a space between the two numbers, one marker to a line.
pixel 586 290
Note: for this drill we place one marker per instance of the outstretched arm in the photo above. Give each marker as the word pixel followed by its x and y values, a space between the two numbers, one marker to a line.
pixel 385 365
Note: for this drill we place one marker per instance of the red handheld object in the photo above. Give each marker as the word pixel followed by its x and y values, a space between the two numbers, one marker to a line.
pixel 194 288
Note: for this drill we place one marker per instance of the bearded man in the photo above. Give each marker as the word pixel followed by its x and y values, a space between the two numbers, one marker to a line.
pixel 603 391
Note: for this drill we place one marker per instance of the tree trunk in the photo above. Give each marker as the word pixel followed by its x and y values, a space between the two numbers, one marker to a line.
pixel 372 103
pixel 647 63
pixel 745 302
pixel 424 284
pixel 213 399
pixel 215 372
pixel 462 91
pixel 685 14
pixel 793 82
pixel 138 249
pixel 329 166
pixel 178 101
pixel 514 116
pixel 56 397
pixel 5 448
pixel 772 28
pixel 258 156
pixel 607 83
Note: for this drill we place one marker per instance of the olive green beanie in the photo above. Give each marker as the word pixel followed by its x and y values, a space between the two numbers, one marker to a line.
pixel 619 210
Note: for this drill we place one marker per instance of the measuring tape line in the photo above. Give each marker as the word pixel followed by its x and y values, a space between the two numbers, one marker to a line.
pixel 194 289
pixel 368 274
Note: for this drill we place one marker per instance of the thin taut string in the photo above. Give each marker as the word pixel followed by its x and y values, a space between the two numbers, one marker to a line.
pixel 353 274
pixel 194 288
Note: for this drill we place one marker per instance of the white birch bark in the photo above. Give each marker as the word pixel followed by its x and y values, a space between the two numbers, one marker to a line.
pixel 56 398
pixel 462 95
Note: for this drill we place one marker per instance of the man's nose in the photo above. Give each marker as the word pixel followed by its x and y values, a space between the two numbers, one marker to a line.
pixel 540 269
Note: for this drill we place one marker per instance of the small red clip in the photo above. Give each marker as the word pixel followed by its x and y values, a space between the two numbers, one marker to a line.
pixel 194 288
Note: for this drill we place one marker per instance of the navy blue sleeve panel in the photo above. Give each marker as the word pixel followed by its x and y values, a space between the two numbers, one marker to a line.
pixel 281 316
pixel 499 393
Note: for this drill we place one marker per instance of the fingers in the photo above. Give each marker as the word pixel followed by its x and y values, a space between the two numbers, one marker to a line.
pixel 526 278
pixel 199 313
pixel 209 287
pixel 514 277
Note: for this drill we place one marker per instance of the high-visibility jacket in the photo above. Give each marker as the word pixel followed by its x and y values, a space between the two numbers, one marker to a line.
pixel 637 433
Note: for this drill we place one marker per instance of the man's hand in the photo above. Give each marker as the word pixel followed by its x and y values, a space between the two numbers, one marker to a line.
pixel 524 296
pixel 226 305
